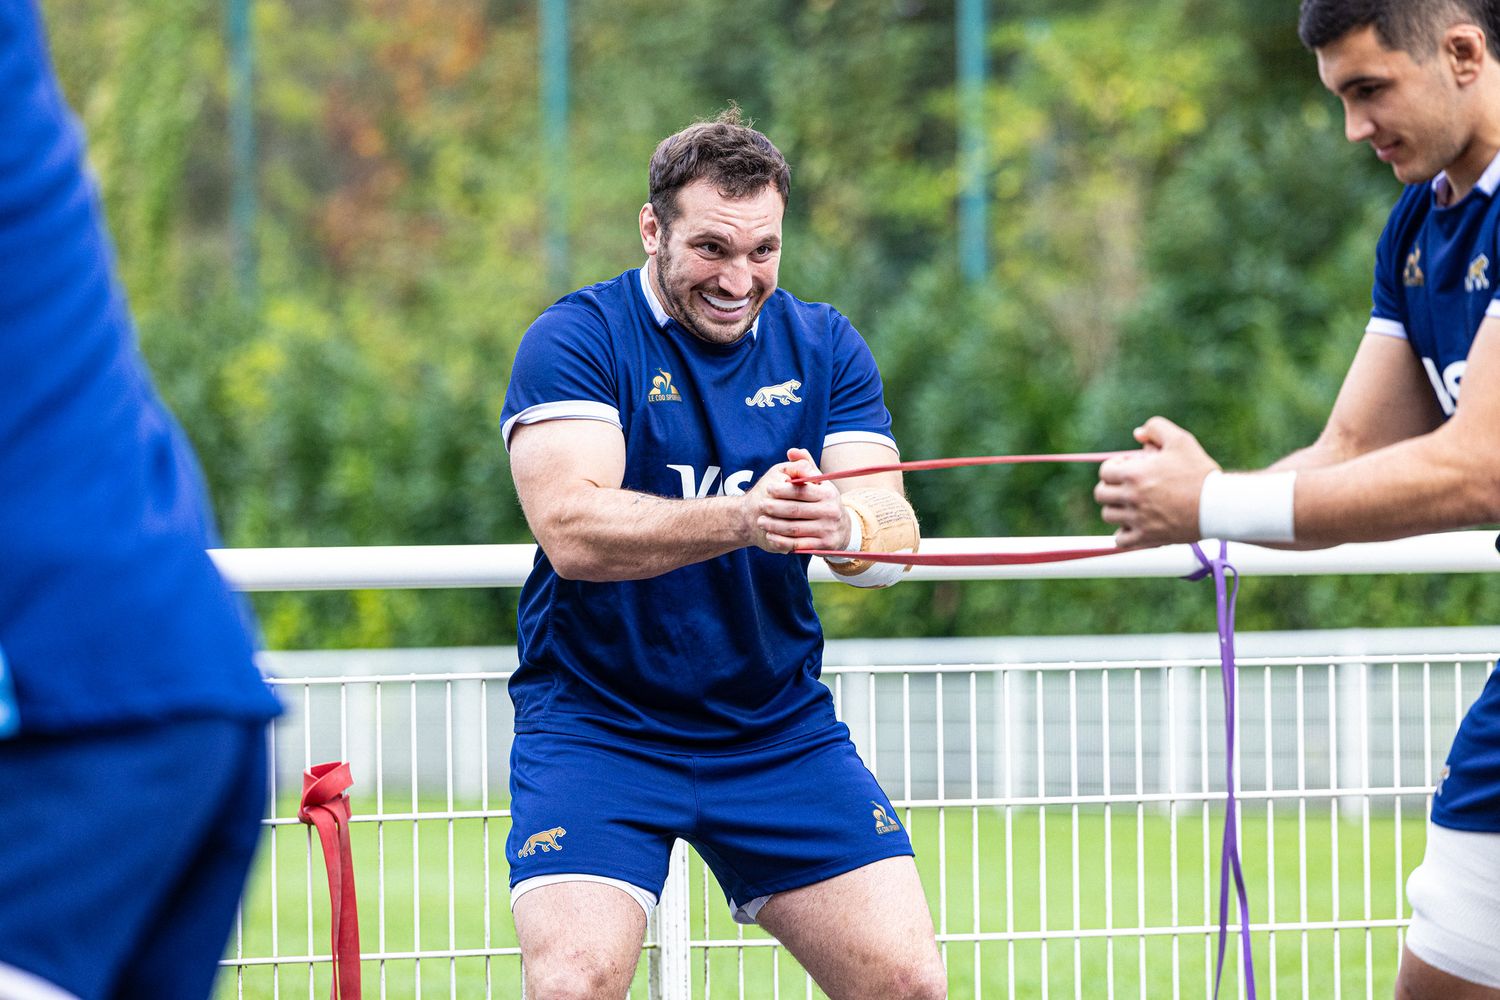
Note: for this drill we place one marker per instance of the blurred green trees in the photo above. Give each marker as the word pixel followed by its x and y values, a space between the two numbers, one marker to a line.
pixel 1177 226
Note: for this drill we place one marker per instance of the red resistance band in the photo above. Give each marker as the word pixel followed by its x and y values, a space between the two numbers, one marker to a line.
pixel 326 806
pixel 965 558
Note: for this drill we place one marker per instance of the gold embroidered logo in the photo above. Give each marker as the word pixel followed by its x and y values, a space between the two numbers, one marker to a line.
pixel 1412 277
pixel 546 840
pixel 1478 278
pixel 662 389
pixel 769 395
pixel 884 821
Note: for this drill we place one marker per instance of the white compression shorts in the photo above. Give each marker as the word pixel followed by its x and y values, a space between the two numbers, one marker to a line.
pixel 647 900
pixel 743 913
pixel 1455 901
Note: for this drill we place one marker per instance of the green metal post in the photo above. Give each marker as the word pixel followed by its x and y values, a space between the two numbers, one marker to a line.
pixel 243 208
pixel 553 17
pixel 973 170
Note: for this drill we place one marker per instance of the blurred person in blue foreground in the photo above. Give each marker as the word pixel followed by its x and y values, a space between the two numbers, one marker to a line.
pixel 1412 444
pixel 132 717
pixel 669 650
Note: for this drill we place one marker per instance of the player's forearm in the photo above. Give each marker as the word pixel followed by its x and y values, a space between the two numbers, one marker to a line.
pixel 604 534
pixel 1436 482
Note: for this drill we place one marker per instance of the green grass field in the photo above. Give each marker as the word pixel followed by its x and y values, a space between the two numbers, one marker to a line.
pixel 1349 963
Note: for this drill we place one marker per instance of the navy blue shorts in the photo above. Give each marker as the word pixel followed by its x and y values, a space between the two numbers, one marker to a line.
pixel 123 854
pixel 765 820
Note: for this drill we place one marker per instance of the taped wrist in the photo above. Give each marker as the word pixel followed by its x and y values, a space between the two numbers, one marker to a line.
pixel 879 521
pixel 1247 507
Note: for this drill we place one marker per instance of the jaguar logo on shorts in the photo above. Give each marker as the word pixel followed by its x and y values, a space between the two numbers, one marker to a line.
pixel 546 840
pixel 662 389
pixel 784 393
pixel 884 821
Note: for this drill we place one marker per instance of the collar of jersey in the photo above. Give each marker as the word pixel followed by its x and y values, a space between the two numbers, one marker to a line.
pixel 661 314
pixel 1488 181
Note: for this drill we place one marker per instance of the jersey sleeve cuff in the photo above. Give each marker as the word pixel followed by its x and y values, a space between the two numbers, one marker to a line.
pixel 1493 309
pixel 1389 327
pixel 860 437
pixel 1383 327
pixel 563 409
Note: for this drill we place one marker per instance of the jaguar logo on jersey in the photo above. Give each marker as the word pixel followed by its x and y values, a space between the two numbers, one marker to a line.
pixel 546 840
pixel 1478 278
pixel 694 488
pixel 1412 276
pixel 884 821
pixel 784 393
pixel 662 389
pixel 1441 778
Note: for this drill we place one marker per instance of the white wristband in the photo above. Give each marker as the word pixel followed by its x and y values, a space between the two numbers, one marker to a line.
pixel 1247 507
pixel 856 539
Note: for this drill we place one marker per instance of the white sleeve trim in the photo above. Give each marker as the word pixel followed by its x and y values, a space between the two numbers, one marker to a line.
pixel 1390 327
pixel 23 985
pixel 863 437
pixel 563 409
pixel 1493 309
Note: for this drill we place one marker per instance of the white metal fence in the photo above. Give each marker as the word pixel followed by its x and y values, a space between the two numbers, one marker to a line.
pixel 1065 804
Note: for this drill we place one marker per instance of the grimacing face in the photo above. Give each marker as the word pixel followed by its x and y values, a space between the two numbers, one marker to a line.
pixel 1413 114
pixel 716 264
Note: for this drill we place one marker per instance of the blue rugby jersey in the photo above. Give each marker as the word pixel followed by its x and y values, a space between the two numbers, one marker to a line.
pixel 725 651
pixel 1435 282
pixel 1436 277
pixel 110 610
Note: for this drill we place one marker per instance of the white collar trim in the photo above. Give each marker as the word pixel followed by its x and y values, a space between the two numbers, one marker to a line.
pixel 660 314
pixel 1488 181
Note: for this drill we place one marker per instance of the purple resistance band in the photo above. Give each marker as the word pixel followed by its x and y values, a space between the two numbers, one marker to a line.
pixel 1229 850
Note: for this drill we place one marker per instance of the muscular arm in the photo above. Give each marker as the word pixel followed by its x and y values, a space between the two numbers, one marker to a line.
pixel 1383 467
pixel 1445 477
pixel 568 474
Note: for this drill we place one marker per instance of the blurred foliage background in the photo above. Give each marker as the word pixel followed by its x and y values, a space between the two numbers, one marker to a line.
pixel 1176 225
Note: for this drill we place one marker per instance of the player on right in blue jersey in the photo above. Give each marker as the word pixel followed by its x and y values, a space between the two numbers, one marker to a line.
pixel 1405 451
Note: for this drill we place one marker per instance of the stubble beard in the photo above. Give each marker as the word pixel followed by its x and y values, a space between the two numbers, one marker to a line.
pixel 678 308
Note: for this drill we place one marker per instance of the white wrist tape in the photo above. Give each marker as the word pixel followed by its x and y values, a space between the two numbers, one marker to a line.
pixel 1247 507
pixel 856 539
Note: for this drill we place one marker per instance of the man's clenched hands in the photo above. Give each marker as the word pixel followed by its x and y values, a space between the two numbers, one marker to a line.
pixel 1151 496
pixel 784 517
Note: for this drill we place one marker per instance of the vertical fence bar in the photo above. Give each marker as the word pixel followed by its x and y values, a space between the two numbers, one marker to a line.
pixel 1073 811
pixel 1302 820
pixel 672 973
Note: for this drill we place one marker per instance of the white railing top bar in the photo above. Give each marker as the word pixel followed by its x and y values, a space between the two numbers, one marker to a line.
pixel 403 567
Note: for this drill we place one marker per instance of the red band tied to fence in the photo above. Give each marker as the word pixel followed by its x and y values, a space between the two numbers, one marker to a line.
pixel 325 806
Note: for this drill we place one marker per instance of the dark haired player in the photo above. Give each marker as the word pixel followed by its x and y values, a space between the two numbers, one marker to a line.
pixel 1413 442
pixel 132 718
pixel 670 652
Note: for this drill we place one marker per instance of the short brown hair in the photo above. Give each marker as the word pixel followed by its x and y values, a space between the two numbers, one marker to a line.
pixel 1412 26
pixel 737 159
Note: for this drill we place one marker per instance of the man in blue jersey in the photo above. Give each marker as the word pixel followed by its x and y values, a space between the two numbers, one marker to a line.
pixel 669 651
pixel 1403 453
pixel 132 717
